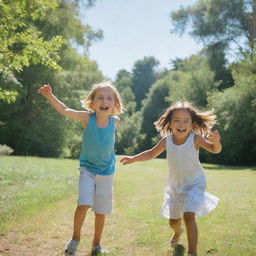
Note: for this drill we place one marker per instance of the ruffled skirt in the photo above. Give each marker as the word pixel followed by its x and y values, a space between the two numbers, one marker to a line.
pixel 194 200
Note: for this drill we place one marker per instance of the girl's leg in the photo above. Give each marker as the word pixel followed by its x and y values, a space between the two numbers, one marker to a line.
pixel 98 228
pixel 79 217
pixel 175 224
pixel 192 232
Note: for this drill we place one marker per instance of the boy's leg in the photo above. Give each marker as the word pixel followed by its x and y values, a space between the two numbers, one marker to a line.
pixel 192 232
pixel 79 217
pixel 98 228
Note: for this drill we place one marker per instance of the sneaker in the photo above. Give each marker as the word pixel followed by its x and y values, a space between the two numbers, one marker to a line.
pixel 70 248
pixel 98 250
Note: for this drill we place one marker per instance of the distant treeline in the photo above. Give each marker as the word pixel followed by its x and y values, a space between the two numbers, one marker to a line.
pixel 208 79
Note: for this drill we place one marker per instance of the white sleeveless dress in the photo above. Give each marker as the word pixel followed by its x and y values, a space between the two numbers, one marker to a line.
pixel 186 188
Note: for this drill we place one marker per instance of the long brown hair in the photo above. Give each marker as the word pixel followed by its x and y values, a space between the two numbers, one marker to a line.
pixel 202 121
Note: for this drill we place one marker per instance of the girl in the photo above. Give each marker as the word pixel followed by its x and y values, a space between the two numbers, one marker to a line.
pixel 182 127
pixel 97 159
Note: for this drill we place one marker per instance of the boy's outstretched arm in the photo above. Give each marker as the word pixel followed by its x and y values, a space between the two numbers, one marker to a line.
pixel 60 107
pixel 145 155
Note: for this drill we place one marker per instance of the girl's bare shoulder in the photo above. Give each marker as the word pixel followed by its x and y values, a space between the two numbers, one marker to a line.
pixel 117 120
pixel 198 141
pixel 85 116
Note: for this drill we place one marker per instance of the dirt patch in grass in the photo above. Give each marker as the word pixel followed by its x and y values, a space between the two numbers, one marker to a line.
pixel 48 232
pixel 43 234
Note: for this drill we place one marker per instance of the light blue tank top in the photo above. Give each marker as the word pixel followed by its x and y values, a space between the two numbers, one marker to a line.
pixel 98 155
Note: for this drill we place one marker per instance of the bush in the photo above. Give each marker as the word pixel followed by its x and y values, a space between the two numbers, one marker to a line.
pixel 5 150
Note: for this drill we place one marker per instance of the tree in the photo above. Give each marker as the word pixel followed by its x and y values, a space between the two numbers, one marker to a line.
pixel 193 82
pixel 31 126
pixel 215 21
pixel 221 25
pixel 153 107
pixel 144 74
pixel 33 32
pixel 218 63
pixel 21 44
pixel 129 136
pixel 124 86
pixel 235 108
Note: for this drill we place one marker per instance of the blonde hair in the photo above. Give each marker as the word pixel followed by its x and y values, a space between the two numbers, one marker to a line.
pixel 202 121
pixel 119 108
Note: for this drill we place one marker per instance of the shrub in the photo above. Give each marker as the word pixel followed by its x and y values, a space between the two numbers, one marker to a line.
pixel 5 150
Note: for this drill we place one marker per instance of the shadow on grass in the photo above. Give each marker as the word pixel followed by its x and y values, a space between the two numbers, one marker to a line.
pixel 179 250
pixel 229 167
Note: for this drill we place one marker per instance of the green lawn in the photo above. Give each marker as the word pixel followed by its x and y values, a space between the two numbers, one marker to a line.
pixel 28 184
pixel 34 187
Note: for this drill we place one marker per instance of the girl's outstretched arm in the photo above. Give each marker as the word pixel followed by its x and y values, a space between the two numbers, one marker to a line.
pixel 211 143
pixel 60 107
pixel 146 155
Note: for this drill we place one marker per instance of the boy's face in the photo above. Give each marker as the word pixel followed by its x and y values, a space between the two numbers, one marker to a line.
pixel 104 101
pixel 181 123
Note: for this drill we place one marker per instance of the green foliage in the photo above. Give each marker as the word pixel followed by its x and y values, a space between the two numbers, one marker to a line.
pixel 128 132
pixel 39 129
pixel 153 107
pixel 218 63
pixel 35 33
pixel 217 21
pixel 235 108
pixel 194 82
pixel 222 26
pixel 124 86
pixel 144 75
pixel 66 21
pixel 203 79
pixel 7 95
pixel 21 44
pixel 31 126
pixel 129 137
pixel 134 88
pixel 37 43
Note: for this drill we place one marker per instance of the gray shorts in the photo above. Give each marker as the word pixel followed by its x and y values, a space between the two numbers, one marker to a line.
pixel 95 191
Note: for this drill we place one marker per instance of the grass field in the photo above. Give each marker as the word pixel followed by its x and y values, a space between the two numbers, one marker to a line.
pixel 43 192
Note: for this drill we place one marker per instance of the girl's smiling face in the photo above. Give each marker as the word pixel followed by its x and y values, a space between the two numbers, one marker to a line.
pixel 104 101
pixel 181 124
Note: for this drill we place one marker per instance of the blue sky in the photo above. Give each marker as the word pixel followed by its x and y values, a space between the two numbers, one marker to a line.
pixel 134 29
